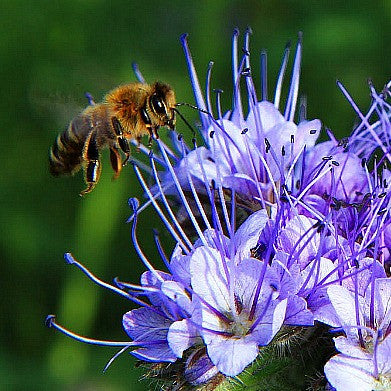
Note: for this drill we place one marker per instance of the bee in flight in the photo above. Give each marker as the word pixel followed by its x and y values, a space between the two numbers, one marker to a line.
pixel 127 112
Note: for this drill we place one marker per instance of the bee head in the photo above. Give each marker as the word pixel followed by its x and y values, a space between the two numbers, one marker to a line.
pixel 161 103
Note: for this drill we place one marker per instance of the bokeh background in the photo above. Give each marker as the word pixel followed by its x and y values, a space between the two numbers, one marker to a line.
pixel 51 52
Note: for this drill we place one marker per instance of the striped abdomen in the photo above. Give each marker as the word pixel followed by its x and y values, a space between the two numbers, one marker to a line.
pixel 66 154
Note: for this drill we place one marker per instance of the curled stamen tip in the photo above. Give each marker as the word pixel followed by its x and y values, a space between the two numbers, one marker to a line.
pixel 118 283
pixel 135 66
pixel 180 136
pixel 218 90
pixel 133 203
pixel 249 30
pixel 300 36
pixel 155 232
pixel 150 154
pixel 69 258
pixel 288 45
pixel 236 31
pixel 194 142
pixel 183 37
pixel 210 65
pixel 50 319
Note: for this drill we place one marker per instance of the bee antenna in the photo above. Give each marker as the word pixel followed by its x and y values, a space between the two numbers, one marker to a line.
pixel 193 107
pixel 185 121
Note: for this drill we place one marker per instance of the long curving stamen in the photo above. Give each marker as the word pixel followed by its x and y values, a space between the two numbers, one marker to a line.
pixel 195 83
pixel 168 208
pixel 237 109
pixel 295 80
pixel 51 322
pixel 114 357
pixel 364 120
pixel 181 194
pixel 277 94
pixel 160 249
pixel 195 195
pixel 146 151
pixel 207 88
pixel 264 75
pixel 72 261
pixel 163 218
pixel 133 202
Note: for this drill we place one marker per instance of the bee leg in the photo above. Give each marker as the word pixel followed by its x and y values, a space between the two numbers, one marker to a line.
pixel 152 135
pixel 93 168
pixel 116 161
pixel 122 140
pixel 154 132
pixel 138 143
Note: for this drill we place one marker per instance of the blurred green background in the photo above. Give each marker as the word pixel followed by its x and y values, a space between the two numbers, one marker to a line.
pixel 51 52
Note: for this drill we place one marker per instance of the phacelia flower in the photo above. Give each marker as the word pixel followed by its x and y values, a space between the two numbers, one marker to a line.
pixel 365 350
pixel 274 234
pixel 254 153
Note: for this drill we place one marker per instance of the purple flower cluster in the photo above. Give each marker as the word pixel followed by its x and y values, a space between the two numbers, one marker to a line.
pixel 273 232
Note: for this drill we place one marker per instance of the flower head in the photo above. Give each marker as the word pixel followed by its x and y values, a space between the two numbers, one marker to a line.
pixel 272 232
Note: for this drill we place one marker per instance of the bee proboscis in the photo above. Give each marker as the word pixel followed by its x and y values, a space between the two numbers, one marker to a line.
pixel 127 112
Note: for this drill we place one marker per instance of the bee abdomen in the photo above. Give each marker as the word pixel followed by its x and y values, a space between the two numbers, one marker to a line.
pixel 65 155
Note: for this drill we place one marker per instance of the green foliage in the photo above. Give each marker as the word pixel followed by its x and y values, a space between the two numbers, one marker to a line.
pixel 51 53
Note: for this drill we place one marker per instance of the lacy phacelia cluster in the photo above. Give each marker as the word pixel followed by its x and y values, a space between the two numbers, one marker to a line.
pixel 274 233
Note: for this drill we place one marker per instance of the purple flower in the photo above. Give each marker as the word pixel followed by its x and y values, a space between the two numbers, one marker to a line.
pixel 365 350
pixel 247 153
pixel 161 329
pixel 272 232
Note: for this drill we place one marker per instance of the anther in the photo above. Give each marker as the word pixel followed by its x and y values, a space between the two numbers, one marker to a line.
pixel 50 319
pixel 133 203
pixel 267 143
pixel 246 72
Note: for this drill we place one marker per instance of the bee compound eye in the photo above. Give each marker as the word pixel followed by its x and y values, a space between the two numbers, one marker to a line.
pixel 157 105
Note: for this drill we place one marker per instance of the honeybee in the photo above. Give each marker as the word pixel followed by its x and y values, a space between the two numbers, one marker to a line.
pixel 127 112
